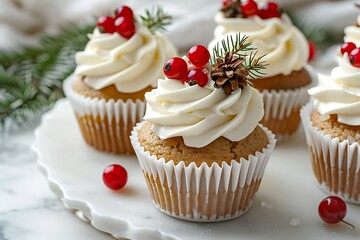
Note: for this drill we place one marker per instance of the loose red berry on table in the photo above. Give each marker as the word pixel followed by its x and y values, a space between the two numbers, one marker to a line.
pixel 312 51
pixel 124 11
pixel 249 8
pixel 354 57
pixel 347 47
pixel 106 24
pixel 176 68
pixel 198 76
pixel 199 56
pixel 333 210
pixel 115 177
pixel 269 10
pixel 125 27
pixel 225 2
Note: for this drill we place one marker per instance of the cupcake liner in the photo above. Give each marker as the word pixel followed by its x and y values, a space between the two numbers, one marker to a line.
pixel 105 125
pixel 203 194
pixel 282 108
pixel 336 164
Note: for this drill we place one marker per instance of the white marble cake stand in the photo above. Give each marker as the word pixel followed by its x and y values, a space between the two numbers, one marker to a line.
pixel 285 206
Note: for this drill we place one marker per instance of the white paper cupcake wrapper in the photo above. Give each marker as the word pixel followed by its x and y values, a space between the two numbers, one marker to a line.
pixel 111 134
pixel 207 194
pixel 280 104
pixel 336 164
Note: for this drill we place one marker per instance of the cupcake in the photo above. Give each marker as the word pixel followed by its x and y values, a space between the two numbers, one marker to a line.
pixel 122 60
pixel 201 149
pixel 332 125
pixel 286 79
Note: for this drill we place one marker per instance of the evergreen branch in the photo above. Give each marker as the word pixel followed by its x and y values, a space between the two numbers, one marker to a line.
pixel 255 65
pixel 31 79
pixel 321 37
pixel 156 19
pixel 241 48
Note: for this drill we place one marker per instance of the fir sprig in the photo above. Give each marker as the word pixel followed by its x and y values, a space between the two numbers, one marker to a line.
pixel 156 19
pixel 241 48
pixel 31 79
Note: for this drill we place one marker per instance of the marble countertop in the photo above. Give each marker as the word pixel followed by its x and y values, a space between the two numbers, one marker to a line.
pixel 28 209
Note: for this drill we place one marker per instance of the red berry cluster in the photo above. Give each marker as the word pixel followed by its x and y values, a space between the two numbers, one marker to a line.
pixel 353 53
pixel 122 23
pixel 250 8
pixel 176 68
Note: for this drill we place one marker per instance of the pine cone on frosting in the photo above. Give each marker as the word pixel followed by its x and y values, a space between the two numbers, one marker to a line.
pixel 233 10
pixel 229 73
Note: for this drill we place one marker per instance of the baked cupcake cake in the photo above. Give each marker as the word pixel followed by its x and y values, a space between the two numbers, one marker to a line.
pixel 286 79
pixel 122 61
pixel 201 149
pixel 332 125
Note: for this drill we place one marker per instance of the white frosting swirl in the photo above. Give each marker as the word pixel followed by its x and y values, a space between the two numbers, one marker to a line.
pixel 339 93
pixel 129 64
pixel 352 33
pixel 202 114
pixel 285 46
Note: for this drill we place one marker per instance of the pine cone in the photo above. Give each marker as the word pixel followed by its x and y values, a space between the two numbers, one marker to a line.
pixel 233 10
pixel 229 73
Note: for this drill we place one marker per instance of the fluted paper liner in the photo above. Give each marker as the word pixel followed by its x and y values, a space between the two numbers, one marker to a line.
pixel 105 125
pixel 282 110
pixel 203 194
pixel 335 163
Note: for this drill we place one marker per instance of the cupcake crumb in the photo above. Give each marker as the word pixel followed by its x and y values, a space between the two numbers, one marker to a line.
pixel 295 222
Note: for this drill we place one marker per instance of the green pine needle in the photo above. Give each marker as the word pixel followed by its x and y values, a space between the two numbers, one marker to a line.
pixel 241 48
pixel 156 19
pixel 31 79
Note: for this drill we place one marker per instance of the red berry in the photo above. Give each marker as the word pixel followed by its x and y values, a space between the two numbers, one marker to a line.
pixel 176 68
pixel 273 6
pixel 199 56
pixel 226 2
pixel 269 10
pixel 106 24
pixel 115 177
pixel 124 11
pixel 332 209
pixel 312 51
pixel 347 47
pixel 354 57
pixel 125 27
pixel 249 8
pixel 198 76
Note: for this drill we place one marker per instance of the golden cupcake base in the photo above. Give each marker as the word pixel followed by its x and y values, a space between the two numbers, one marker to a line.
pixel 105 135
pixel 335 162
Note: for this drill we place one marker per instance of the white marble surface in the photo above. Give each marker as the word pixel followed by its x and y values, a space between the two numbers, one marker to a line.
pixel 28 209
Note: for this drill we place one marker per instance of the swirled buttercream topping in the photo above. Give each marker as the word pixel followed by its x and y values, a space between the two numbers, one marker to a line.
pixel 352 33
pixel 339 93
pixel 202 114
pixel 129 64
pixel 285 46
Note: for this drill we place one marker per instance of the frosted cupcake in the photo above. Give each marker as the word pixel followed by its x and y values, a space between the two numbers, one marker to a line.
pixel 122 61
pixel 285 81
pixel 332 124
pixel 201 149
